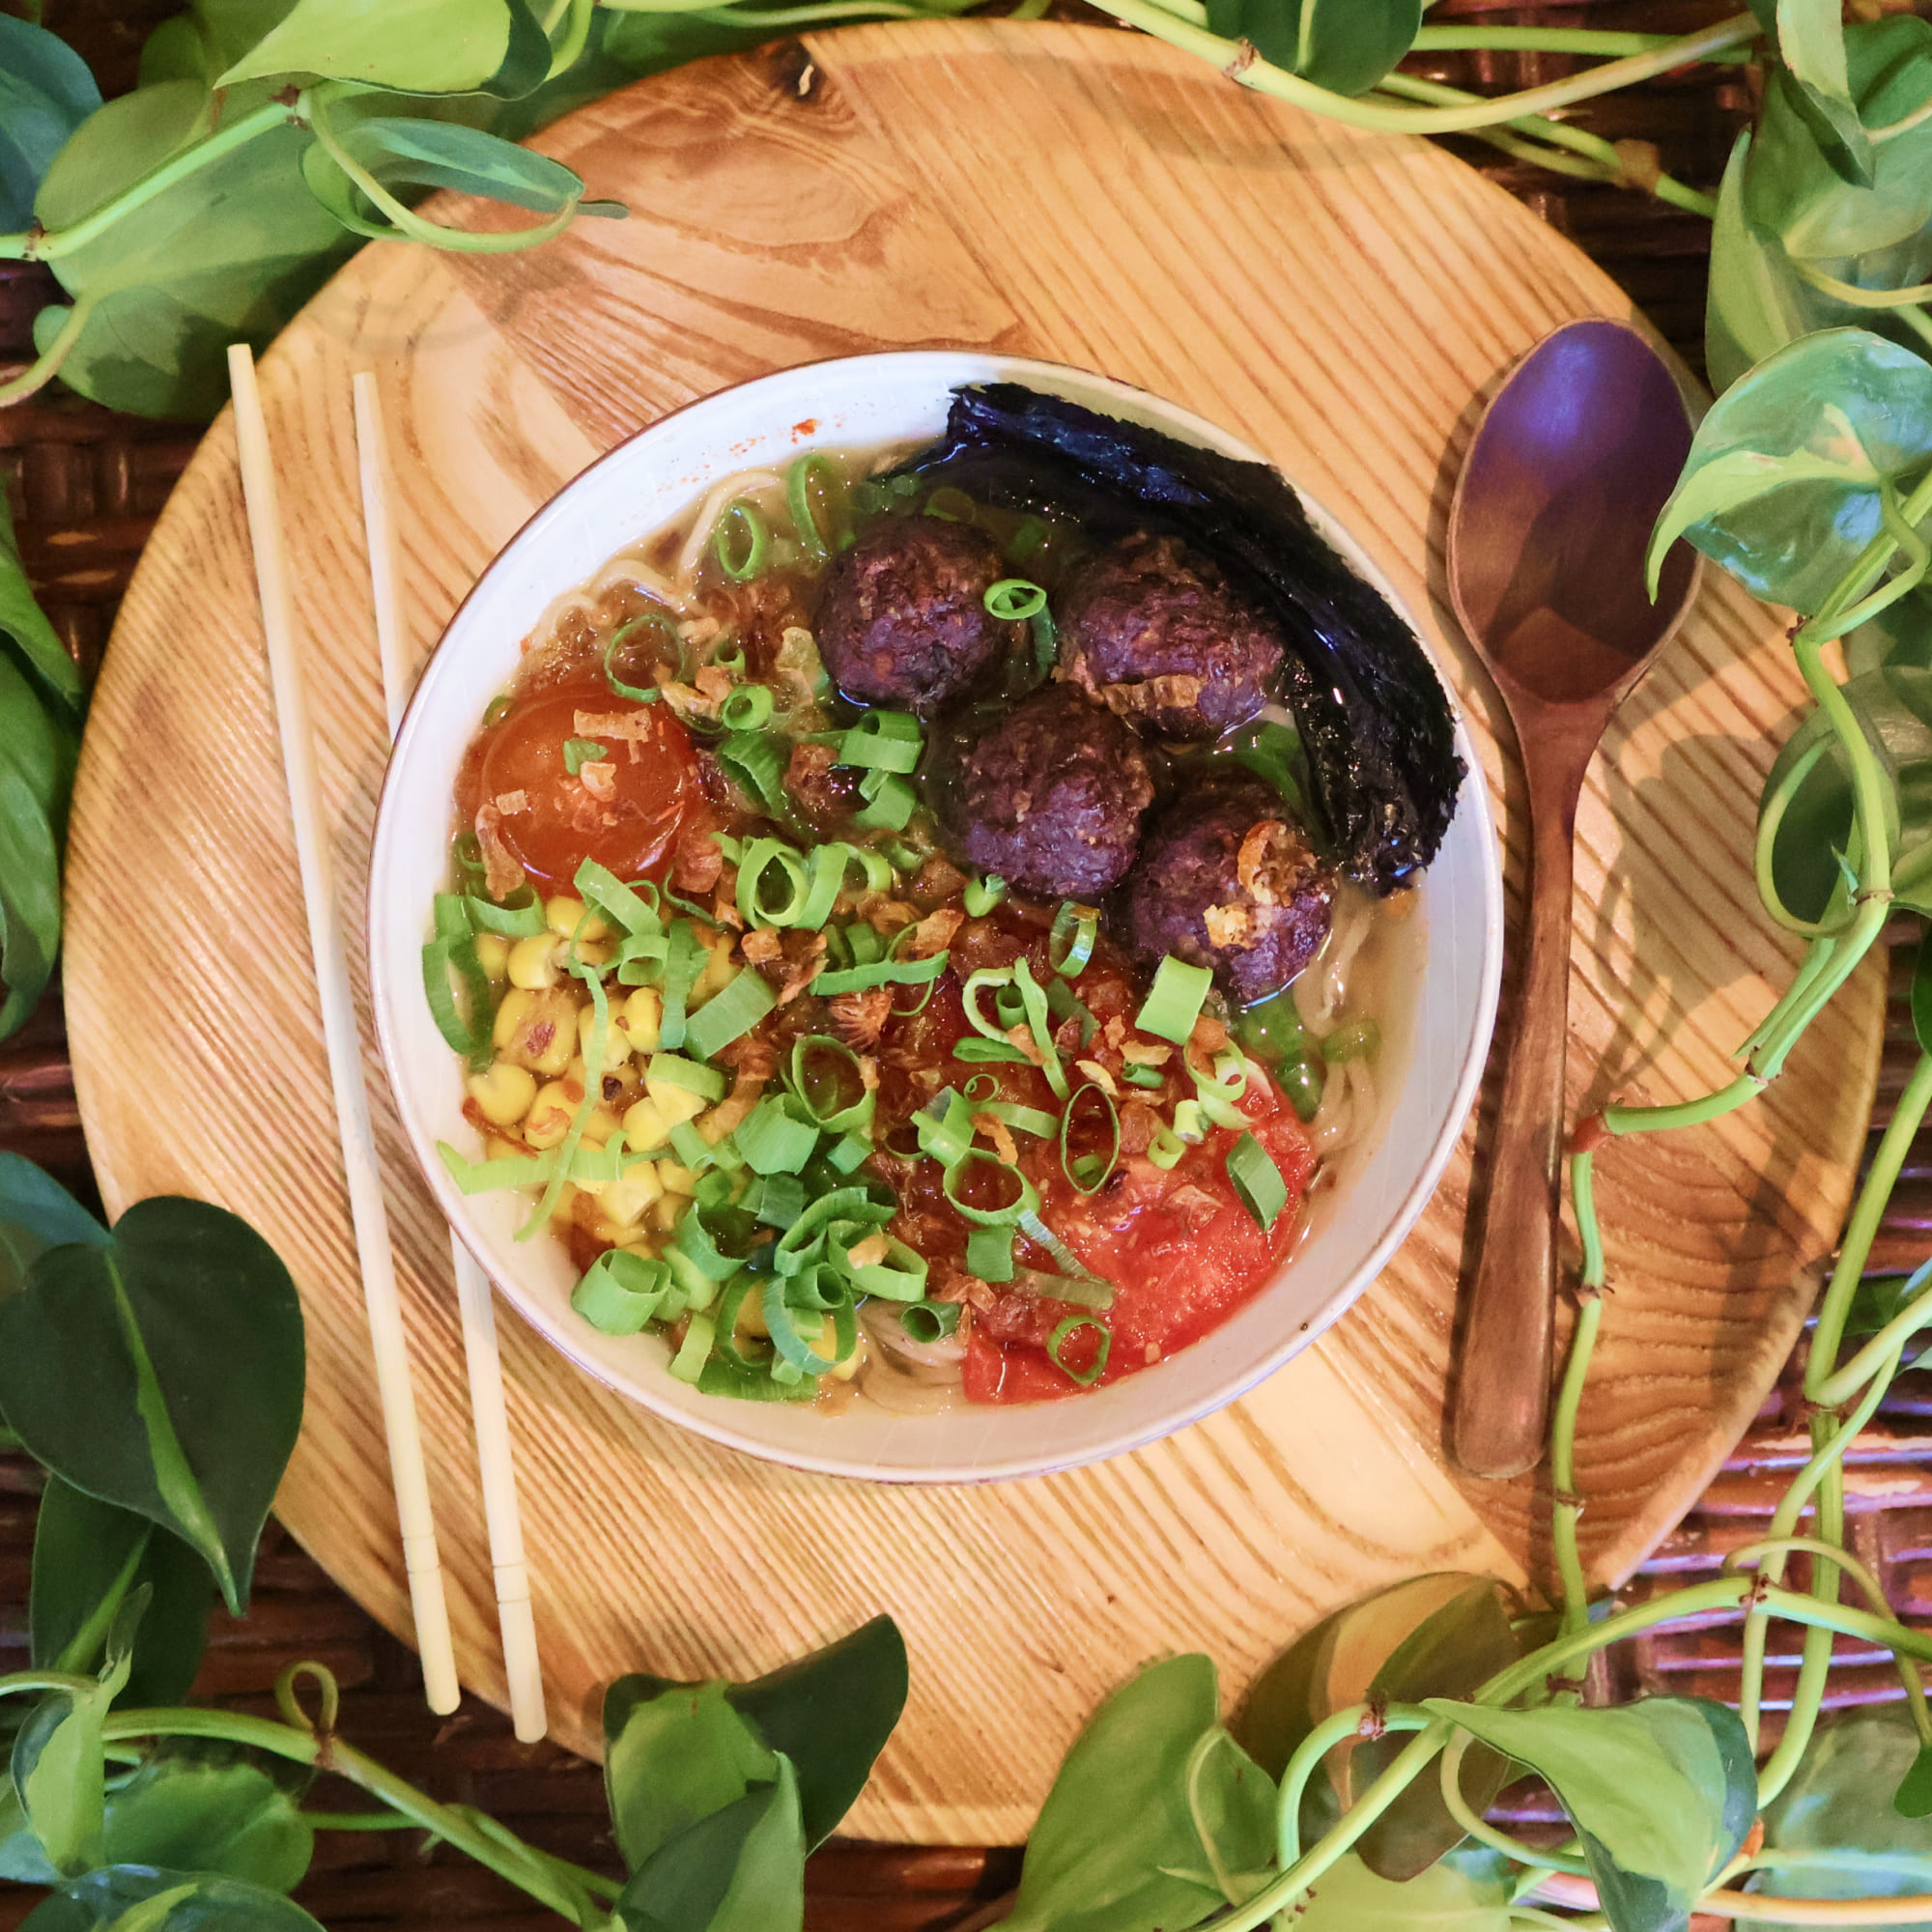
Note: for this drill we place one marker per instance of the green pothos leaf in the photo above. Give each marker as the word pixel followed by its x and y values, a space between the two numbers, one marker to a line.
pixel 139 1898
pixel 1783 484
pixel 107 1376
pixel 740 1870
pixel 1921 1005
pixel 1662 1793
pixel 1831 1831
pixel 60 1769
pixel 1345 45
pixel 674 1754
pixel 414 46
pixel 1458 1894
pixel 1811 42
pixel 1156 1819
pixel 205 1808
pixel 45 93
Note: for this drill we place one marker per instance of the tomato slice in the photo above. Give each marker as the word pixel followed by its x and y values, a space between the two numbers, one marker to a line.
pixel 627 817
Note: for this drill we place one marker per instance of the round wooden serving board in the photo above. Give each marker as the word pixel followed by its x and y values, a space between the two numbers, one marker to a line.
pixel 1345 303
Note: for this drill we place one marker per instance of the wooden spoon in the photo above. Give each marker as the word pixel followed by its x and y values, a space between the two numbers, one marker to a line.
pixel 1571 464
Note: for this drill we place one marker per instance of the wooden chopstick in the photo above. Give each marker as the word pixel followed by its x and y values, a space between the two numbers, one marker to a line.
pixel 343 1040
pixel 515 1616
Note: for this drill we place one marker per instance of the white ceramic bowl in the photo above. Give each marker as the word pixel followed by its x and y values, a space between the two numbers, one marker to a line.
pixel 635 490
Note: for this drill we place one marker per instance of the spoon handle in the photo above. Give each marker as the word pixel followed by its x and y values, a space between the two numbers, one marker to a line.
pixel 1502 1393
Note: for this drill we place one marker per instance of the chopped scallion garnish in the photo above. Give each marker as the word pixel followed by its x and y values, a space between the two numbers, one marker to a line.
pixel 990 1253
pixel 728 1014
pixel 1015 599
pixel 1061 1336
pixel 741 542
pixel 1174 1001
pixel 930 1322
pixel 886 741
pixel 982 895
pixel 1070 945
pixel 619 1292
pixel 1257 1181
pixel 580 751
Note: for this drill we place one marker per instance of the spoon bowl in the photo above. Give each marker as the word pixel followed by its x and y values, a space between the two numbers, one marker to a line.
pixel 1574 457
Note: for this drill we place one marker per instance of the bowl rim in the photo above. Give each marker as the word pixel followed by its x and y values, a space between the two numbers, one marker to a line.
pixel 1473 797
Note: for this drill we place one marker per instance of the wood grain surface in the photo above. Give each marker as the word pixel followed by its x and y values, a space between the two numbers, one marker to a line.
pixel 1345 303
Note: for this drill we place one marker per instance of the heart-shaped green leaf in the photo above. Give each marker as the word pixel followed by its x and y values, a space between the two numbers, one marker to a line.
pixel 830 1712
pixel 1661 1792
pixel 90 1558
pixel 1783 480
pixel 1830 1830
pixel 1345 45
pixel 59 1768
pixel 107 1374
pixel 1811 42
pixel 1127 1840
pixel 740 1870
pixel 675 1754
pixel 1460 1893
pixel 208 1809
pixel 36 1213
pixel 414 46
pixel 138 1898
pixel 45 93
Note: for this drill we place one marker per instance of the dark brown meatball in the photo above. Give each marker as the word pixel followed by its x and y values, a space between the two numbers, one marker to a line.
pixel 902 616
pixel 1052 801
pixel 1227 880
pixel 1153 630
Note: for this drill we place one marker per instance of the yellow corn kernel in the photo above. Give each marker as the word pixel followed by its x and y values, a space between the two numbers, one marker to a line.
pixel 718 971
pixel 493 955
pixel 550 1116
pixel 674 1103
pixel 677 1179
pixel 537 1028
pixel 495 1146
pixel 636 1022
pixel 665 1210
pixel 502 1092
pixel 826 1343
pixel 533 961
pixel 645 1127
pixel 562 914
pixel 752 1317
pixel 565 1213
pixel 623 1202
pixel 601 1124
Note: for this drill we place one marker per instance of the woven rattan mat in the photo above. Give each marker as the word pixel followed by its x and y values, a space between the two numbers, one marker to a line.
pixel 85 487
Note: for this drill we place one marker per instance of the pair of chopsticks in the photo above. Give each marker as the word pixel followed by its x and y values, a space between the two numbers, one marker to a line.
pixel 342 1038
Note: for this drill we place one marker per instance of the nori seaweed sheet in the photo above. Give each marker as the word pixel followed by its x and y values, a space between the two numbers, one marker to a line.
pixel 1376 726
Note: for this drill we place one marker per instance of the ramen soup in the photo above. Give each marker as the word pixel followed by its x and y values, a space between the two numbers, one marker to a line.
pixel 922 923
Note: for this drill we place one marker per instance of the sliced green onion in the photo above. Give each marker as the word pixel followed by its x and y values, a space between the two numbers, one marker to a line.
pixel 777 1200
pixel 741 541
pixel 1084 1291
pixel 706 1082
pixel 981 1087
pixel 753 760
pixel 519 917
pixel 944 1126
pixel 692 1149
pixel 951 506
pixel 640 694
pixel 798 1245
pixel 929 1322
pixel 736 1009
pixel 846 1154
pixel 1026 1120
pixel 827 864
pixel 1063 1257
pixel 824 1090
pixel 1174 1001
pixel 1301 1080
pixel 730 1305
pixel 716 1189
pixel 491 1177
pixel 594 1063
pixel 624 906
pixel 1218 1091
pixel 497 709
pixel 1015 599
pixel 1070 945
pixel 1166 1147
pixel 1189 1123
pixel 990 1253
pixel 1029 534
pixel 580 751
pixel 685 957
pixel 454 949
pixel 1025 1201
pixel 693 1241
pixel 1354 1040
pixel 1089 1172
pixel 885 741
pixel 776 1137
pixel 1257 1181
pixel 883 973
pixel 729 656
pixel 1059 1339
pixel 1135 1074
pixel 1045 640
pixel 689 1361
pixel 466 854
pixel 900 1277
pixel 619 1292
pixel 975 1048
pixel 982 895
pixel 864 944
pixel 757 1383
pixel 747 708
pixel 817 543
pixel 1032 997
pixel 977 982
pixel 760 858
pixel 893 802
pixel 1065 1005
